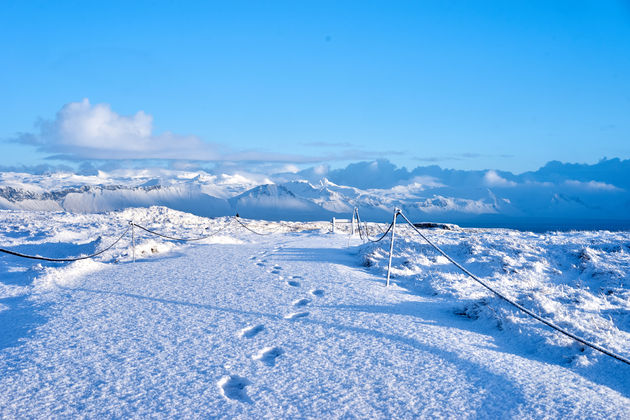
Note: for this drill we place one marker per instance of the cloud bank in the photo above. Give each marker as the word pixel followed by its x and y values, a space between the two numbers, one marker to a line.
pixel 81 130
pixel 85 131
pixel 493 179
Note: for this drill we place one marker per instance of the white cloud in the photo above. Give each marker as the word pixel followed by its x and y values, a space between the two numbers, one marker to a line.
pixel 427 181
pixel 592 185
pixel 85 131
pixel 493 179
pixel 289 168
pixel 321 169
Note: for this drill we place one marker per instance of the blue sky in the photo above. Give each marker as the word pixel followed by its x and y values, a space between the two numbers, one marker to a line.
pixel 468 85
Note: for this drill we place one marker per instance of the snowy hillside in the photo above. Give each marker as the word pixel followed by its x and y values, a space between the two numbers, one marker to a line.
pixel 298 322
pixel 578 280
pixel 558 196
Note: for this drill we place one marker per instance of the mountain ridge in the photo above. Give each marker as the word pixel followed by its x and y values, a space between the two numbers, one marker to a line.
pixel 557 195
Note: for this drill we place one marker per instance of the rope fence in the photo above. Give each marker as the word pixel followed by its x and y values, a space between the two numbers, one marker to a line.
pixel 238 219
pixel 131 227
pixel 364 235
pixel 398 212
pixel 172 238
pixel 69 259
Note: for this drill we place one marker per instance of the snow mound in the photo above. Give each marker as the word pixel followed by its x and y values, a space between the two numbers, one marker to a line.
pixel 578 280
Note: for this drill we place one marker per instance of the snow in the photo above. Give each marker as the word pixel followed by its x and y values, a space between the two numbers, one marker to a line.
pixel 298 323
pixel 557 196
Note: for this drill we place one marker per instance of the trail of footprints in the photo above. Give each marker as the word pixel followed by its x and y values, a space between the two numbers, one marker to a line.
pixel 232 387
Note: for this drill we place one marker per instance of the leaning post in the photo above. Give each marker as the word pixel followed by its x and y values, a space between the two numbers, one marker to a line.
pixel 391 244
pixel 133 242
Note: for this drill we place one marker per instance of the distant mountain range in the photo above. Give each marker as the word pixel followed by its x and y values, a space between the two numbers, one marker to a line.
pixel 557 196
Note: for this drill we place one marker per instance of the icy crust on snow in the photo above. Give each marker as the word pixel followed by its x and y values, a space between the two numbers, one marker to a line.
pixel 67 235
pixel 578 280
pixel 289 325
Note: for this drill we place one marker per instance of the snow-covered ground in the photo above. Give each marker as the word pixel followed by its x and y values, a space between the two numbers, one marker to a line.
pixel 298 323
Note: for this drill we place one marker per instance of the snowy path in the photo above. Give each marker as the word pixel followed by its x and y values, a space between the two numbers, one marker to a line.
pixel 289 326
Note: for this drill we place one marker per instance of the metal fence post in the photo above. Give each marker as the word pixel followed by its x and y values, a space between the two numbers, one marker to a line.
pixel 133 242
pixel 391 245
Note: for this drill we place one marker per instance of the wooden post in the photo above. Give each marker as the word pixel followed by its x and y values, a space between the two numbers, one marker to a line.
pixel 353 214
pixel 391 245
pixel 333 225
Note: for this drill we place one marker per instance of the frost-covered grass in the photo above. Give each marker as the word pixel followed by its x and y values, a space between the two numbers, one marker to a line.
pixel 63 234
pixel 293 325
pixel 578 280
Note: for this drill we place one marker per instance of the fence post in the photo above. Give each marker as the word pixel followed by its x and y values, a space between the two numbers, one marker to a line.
pixel 333 225
pixel 133 242
pixel 353 214
pixel 391 245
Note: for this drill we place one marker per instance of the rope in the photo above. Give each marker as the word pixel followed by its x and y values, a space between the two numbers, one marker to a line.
pixel 379 227
pixel 366 236
pixel 253 231
pixel 515 304
pixel 180 239
pixel 36 257
pixel 365 226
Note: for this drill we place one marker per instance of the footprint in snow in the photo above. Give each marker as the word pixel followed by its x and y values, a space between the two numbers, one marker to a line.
pixel 275 271
pixel 232 387
pixel 252 330
pixel 277 267
pixel 293 283
pixel 295 315
pixel 317 292
pixel 268 355
pixel 301 302
pixel 259 264
pixel 296 277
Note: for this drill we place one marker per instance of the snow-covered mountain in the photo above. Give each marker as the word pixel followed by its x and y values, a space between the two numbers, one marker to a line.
pixel 556 196
pixel 277 202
